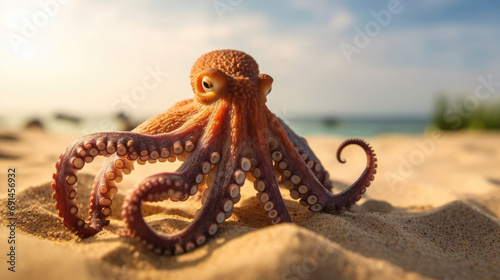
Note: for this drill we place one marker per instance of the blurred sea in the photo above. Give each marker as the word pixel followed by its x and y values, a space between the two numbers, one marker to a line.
pixel 349 127
pixel 359 126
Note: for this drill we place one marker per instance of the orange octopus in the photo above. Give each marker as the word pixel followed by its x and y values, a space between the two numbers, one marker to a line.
pixel 224 135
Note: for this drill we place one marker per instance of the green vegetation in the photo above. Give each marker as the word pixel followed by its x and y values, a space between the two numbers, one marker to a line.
pixel 467 112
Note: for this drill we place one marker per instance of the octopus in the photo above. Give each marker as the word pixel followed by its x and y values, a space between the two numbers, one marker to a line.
pixel 224 136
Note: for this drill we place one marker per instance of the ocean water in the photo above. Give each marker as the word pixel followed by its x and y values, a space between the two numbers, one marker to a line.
pixel 359 127
pixel 348 127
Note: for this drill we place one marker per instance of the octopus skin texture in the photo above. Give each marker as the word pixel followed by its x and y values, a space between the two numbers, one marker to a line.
pixel 224 136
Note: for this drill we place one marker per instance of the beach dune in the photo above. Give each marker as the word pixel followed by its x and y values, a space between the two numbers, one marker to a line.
pixel 431 213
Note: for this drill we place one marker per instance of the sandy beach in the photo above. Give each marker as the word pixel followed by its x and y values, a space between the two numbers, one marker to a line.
pixel 433 212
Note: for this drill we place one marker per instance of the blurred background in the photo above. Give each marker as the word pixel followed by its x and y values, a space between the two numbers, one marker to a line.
pixel 340 67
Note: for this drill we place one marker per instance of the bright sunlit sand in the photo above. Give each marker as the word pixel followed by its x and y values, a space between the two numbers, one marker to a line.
pixel 431 213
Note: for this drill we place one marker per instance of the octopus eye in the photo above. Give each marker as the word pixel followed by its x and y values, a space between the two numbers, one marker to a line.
pixel 208 84
pixel 268 90
pixel 265 84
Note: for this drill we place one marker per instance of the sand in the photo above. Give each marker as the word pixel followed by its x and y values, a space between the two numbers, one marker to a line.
pixel 432 213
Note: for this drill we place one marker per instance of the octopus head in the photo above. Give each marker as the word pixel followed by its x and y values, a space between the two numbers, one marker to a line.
pixel 228 74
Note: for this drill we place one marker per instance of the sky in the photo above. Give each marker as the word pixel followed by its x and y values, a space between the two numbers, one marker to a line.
pixel 338 58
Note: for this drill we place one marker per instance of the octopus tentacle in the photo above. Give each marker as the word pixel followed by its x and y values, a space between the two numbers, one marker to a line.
pixel 268 192
pixel 289 165
pixel 304 185
pixel 217 204
pixel 154 188
pixel 307 154
pixel 181 113
pixel 105 188
pixel 128 147
pixel 354 192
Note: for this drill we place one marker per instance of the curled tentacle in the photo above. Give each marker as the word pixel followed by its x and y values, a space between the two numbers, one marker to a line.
pixel 124 148
pixel 307 155
pixel 218 201
pixel 345 199
pixel 304 185
pixel 354 192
